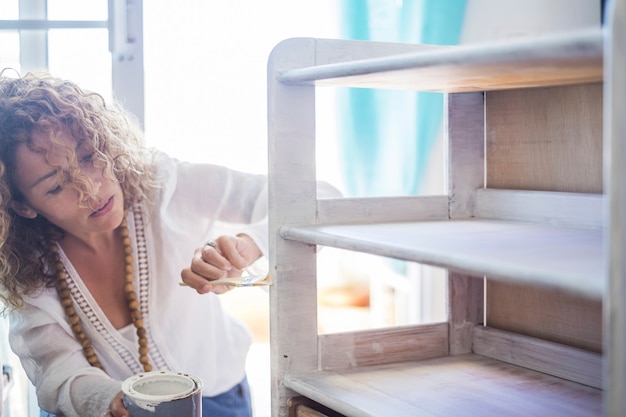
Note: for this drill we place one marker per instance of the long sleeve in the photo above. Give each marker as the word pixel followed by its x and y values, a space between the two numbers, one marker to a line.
pixel 54 362
pixel 214 199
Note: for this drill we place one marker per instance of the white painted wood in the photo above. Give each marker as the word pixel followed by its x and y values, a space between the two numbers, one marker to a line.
pixel 615 156
pixel 465 310
pixel 567 258
pixel 556 59
pixel 292 190
pixel 550 358
pixel 563 209
pixel 464 127
pixel 529 245
pixel 462 385
pixel 464 146
pixel 380 346
pixel 381 209
pixel 546 139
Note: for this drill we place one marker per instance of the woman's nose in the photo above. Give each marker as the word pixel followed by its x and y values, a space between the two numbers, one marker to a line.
pixel 91 198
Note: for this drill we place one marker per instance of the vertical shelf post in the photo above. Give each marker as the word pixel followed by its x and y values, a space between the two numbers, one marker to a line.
pixel 615 186
pixel 292 195
pixel 464 125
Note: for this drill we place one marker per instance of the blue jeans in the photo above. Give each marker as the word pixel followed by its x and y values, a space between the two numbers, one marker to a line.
pixel 234 403
pixel 237 402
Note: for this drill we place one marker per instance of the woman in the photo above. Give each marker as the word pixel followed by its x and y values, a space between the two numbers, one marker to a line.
pixel 94 233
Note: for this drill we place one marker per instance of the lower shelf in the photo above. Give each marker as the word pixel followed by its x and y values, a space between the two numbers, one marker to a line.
pixel 464 385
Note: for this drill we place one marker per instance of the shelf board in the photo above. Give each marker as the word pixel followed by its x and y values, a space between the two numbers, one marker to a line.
pixel 549 60
pixel 566 258
pixel 464 385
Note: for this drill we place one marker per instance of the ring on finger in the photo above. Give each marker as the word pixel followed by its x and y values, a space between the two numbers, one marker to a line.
pixel 211 243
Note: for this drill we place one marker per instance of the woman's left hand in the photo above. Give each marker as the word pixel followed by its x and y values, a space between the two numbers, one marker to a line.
pixel 116 407
pixel 226 256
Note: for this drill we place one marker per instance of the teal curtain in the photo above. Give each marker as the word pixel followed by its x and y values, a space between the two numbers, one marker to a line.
pixel 388 136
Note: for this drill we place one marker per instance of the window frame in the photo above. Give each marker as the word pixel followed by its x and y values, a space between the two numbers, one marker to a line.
pixel 125 28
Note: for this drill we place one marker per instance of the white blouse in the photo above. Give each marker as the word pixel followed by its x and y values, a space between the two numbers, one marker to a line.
pixel 188 332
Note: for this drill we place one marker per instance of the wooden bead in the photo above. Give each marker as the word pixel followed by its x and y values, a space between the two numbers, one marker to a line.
pixel 143 350
pixel 133 305
pixel 77 328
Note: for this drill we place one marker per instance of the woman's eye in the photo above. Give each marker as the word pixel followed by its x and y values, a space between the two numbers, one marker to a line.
pixel 87 159
pixel 55 190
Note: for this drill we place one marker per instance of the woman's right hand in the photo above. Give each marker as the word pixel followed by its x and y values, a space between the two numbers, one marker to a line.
pixel 227 256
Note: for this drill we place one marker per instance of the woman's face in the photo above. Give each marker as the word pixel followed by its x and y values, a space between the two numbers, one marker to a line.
pixel 45 195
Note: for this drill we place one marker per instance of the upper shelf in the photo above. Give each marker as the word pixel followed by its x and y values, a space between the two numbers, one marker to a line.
pixel 561 59
pixel 566 258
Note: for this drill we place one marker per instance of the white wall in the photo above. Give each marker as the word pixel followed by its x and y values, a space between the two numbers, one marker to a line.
pixel 205 67
pixel 501 19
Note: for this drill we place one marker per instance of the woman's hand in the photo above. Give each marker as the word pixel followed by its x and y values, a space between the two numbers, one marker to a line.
pixel 227 256
pixel 116 407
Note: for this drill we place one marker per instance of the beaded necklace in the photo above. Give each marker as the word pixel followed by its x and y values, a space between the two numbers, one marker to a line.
pixel 131 297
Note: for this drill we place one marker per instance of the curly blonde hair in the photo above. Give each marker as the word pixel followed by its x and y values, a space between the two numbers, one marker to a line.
pixel 43 103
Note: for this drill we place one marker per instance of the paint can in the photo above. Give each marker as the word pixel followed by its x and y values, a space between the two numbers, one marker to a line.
pixel 163 394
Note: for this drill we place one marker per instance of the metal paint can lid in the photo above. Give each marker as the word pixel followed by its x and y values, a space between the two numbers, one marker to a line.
pixel 161 386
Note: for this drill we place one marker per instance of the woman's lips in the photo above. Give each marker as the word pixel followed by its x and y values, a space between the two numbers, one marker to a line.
pixel 107 207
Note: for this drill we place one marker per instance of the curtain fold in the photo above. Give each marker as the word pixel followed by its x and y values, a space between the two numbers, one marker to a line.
pixel 387 137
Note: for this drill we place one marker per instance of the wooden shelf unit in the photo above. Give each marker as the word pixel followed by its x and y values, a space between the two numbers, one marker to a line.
pixel 566 240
